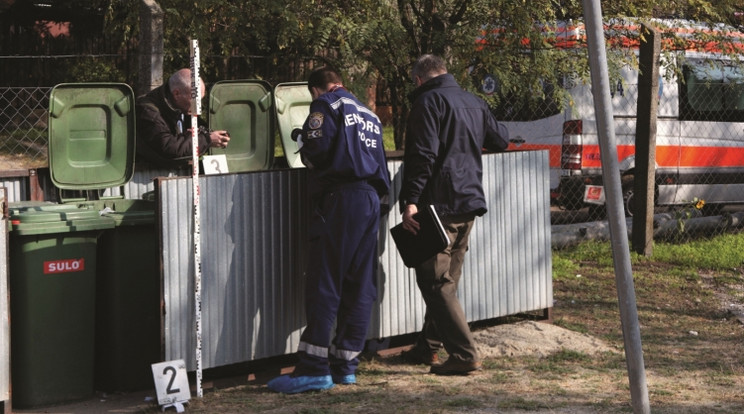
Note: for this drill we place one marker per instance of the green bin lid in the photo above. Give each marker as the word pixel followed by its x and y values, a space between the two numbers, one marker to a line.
pixel 125 212
pixel 132 218
pixel 45 216
pixel 292 102
pixel 58 221
pixel 244 109
pixel 23 206
pixel 91 135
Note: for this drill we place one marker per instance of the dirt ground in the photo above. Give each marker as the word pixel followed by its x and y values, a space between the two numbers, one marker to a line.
pixel 692 329
pixel 692 335
pixel 536 339
pixel 521 339
pixel 508 378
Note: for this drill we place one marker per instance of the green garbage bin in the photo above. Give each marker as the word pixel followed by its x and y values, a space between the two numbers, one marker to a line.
pixel 52 299
pixel 54 310
pixel 91 147
pixel 128 297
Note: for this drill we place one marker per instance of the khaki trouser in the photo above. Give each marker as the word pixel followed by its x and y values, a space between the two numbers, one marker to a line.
pixel 438 278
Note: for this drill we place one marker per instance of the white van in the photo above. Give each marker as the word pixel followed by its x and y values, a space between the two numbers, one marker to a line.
pixel 700 125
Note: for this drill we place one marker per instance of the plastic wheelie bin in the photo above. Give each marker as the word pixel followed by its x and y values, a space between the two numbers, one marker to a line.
pixel 128 297
pixel 91 147
pixel 93 125
pixel 52 300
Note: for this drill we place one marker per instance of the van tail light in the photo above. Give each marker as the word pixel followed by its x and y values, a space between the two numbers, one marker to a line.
pixel 572 147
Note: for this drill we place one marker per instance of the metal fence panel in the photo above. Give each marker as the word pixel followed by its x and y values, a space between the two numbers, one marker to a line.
pixel 4 311
pixel 251 265
pixel 253 232
pixel 399 308
pixel 143 181
pixel 16 187
pixel 510 242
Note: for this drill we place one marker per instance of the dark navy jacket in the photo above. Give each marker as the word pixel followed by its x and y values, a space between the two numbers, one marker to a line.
pixel 342 144
pixel 447 129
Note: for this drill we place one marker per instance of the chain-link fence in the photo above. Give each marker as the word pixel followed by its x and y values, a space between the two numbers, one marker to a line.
pixel 23 126
pixel 699 151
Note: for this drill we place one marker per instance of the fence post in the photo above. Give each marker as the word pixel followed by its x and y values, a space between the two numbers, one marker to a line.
pixel 645 158
pixel 150 47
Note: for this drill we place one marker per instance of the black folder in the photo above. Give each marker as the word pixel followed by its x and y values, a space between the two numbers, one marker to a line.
pixel 430 239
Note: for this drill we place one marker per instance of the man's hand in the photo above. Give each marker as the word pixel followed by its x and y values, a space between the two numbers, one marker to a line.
pixel 219 139
pixel 409 223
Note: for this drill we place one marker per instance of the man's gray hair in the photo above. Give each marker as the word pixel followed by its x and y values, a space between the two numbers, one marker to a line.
pixel 181 81
pixel 428 66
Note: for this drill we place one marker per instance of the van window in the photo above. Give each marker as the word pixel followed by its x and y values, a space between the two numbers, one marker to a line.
pixel 712 93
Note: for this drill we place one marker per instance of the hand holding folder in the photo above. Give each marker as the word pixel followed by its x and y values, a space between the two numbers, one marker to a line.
pixel 431 238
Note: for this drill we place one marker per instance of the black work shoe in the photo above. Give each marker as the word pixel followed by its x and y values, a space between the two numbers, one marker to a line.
pixel 454 366
pixel 418 356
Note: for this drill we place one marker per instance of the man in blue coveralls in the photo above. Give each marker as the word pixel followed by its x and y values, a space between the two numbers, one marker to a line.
pixel 341 144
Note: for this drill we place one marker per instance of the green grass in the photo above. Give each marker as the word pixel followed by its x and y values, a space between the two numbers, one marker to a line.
pixel 388 138
pixel 725 252
pixel 720 253
pixel 520 403
pixel 463 402
pixel 563 266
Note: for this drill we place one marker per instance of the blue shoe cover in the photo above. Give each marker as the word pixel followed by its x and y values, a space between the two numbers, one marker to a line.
pixel 344 379
pixel 293 385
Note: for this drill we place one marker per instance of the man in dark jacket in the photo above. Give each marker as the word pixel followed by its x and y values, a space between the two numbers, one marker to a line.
pixel 163 124
pixel 447 131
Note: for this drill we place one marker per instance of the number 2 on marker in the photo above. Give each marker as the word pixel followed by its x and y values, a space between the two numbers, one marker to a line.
pixel 169 389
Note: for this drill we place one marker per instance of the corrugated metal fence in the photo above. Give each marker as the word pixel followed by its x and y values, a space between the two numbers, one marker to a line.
pixel 253 232
pixel 16 187
pixel 4 312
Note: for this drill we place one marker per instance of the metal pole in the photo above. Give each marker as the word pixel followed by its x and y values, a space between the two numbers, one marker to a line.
pixel 195 192
pixel 616 215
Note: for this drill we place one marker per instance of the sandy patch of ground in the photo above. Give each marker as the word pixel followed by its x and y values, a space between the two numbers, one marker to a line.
pixel 536 339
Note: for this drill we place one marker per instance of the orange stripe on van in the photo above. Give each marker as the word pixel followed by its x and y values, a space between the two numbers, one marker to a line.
pixel 671 156
pixel 711 157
